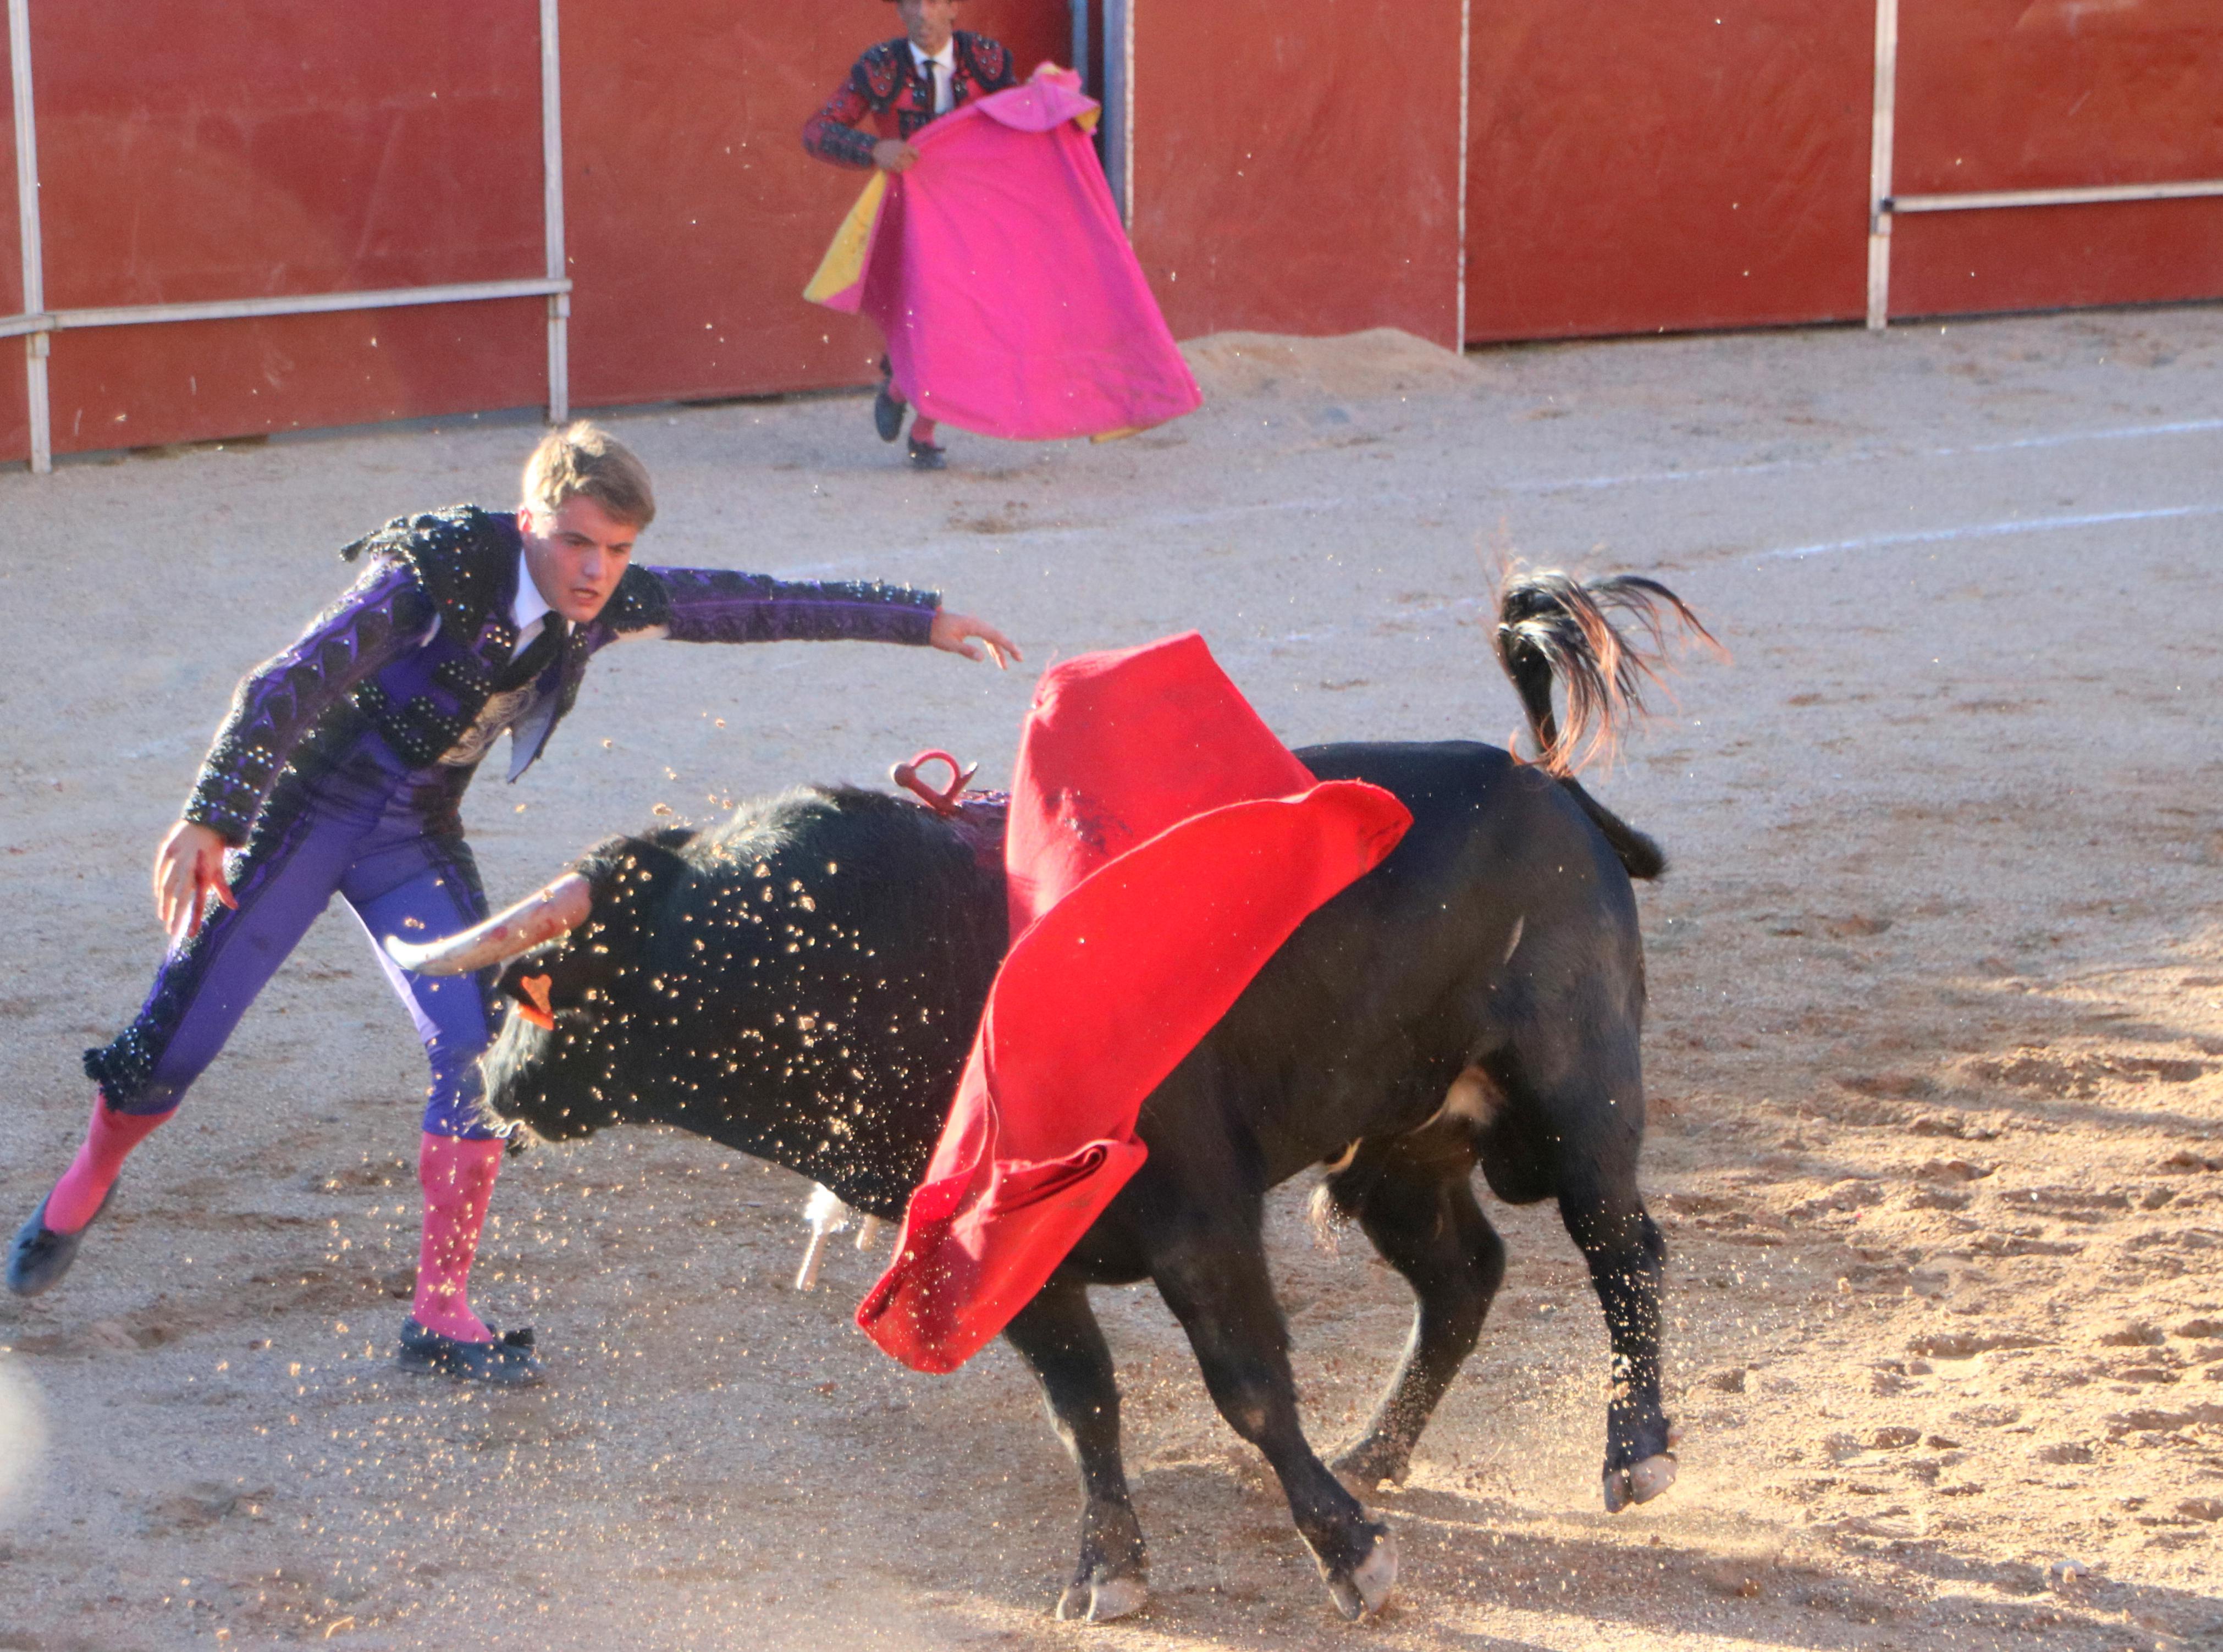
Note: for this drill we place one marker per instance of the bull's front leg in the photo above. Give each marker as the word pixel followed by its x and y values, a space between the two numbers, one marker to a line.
pixel 1215 1280
pixel 1625 1251
pixel 1057 1336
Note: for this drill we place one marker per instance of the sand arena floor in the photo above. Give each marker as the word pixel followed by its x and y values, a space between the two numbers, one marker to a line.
pixel 1936 1052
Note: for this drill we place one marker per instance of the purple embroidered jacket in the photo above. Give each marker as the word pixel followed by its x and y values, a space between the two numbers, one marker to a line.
pixel 398 680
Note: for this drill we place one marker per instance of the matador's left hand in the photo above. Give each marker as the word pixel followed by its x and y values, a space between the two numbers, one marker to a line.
pixel 976 639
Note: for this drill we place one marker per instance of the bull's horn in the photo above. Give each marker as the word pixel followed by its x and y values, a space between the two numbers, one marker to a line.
pixel 555 910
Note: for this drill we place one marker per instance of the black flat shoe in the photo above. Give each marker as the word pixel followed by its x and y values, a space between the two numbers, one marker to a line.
pixel 506 1362
pixel 924 456
pixel 887 412
pixel 40 1256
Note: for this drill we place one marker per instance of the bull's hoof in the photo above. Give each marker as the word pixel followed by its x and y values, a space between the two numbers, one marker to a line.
pixel 1363 1467
pixel 1366 1588
pixel 1101 1600
pixel 1652 1477
pixel 1640 1483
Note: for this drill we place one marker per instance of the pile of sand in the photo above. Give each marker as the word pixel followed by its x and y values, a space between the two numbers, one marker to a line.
pixel 1380 361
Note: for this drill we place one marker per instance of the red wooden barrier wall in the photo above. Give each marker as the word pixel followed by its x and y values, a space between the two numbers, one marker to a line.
pixel 189 152
pixel 1684 164
pixel 2043 94
pixel 193 152
pixel 1296 167
pixel 1705 163
pixel 1678 164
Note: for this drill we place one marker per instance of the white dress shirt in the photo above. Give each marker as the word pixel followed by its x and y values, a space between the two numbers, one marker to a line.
pixel 942 73
pixel 529 610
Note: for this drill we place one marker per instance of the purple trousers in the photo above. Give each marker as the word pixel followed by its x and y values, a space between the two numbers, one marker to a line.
pixel 356 836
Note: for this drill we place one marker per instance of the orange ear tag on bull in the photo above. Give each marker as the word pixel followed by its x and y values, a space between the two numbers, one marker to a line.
pixel 536 1008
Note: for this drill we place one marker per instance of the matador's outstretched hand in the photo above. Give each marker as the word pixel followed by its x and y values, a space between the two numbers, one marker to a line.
pixel 188 869
pixel 976 639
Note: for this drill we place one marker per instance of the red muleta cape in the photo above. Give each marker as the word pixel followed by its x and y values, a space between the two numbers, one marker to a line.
pixel 1162 844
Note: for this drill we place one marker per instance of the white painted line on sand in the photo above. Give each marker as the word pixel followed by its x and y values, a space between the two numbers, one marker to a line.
pixel 2128 432
pixel 1127 527
pixel 1989 529
pixel 1872 456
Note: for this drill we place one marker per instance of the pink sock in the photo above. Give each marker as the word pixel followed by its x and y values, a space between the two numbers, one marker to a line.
pixel 108 1140
pixel 922 430
pixel 458 1176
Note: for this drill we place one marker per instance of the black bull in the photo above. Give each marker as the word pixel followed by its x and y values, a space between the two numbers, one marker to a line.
pixel 802 983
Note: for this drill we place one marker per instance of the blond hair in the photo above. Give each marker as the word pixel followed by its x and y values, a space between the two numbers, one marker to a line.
pixel 584 461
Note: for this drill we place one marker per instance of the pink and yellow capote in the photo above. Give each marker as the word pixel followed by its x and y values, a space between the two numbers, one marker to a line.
pixel 998 269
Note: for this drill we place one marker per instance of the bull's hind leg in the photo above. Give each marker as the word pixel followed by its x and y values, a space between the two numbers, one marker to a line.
pixel 1575 1126
pixel 1417 1205
pixel 1058 1336
pixel 1591 1128
pixel 1606 1217
pixel 1218 1286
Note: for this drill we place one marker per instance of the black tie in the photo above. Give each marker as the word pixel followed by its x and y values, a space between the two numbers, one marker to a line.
pixel 527 666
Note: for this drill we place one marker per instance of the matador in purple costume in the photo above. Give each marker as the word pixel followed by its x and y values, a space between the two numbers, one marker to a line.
pixel 340 771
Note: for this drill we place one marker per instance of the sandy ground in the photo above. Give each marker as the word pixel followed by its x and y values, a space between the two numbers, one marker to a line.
pixel 1935 1054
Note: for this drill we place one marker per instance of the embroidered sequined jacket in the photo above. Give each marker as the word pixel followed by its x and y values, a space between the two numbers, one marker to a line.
pixel 398 677
pixel 886 87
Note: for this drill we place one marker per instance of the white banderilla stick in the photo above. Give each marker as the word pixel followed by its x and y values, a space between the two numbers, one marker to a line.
pixel 827 1216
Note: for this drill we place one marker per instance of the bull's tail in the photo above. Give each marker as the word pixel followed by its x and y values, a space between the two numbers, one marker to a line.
pixel 1554 630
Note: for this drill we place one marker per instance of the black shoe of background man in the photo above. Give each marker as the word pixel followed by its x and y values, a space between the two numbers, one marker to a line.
pixel 40 1256
pixel 506 1362
pixel 887 411
pixel 924 456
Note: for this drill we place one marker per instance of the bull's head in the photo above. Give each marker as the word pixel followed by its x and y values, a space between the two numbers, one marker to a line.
pixel 564 960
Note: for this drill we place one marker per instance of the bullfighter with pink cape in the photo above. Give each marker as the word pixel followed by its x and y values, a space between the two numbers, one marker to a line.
pixel 999 271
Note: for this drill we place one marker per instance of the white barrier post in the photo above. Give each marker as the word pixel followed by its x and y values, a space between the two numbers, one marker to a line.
pixel 27 220
pixel 551 196
pixel 1886 94
pixel 1467 92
